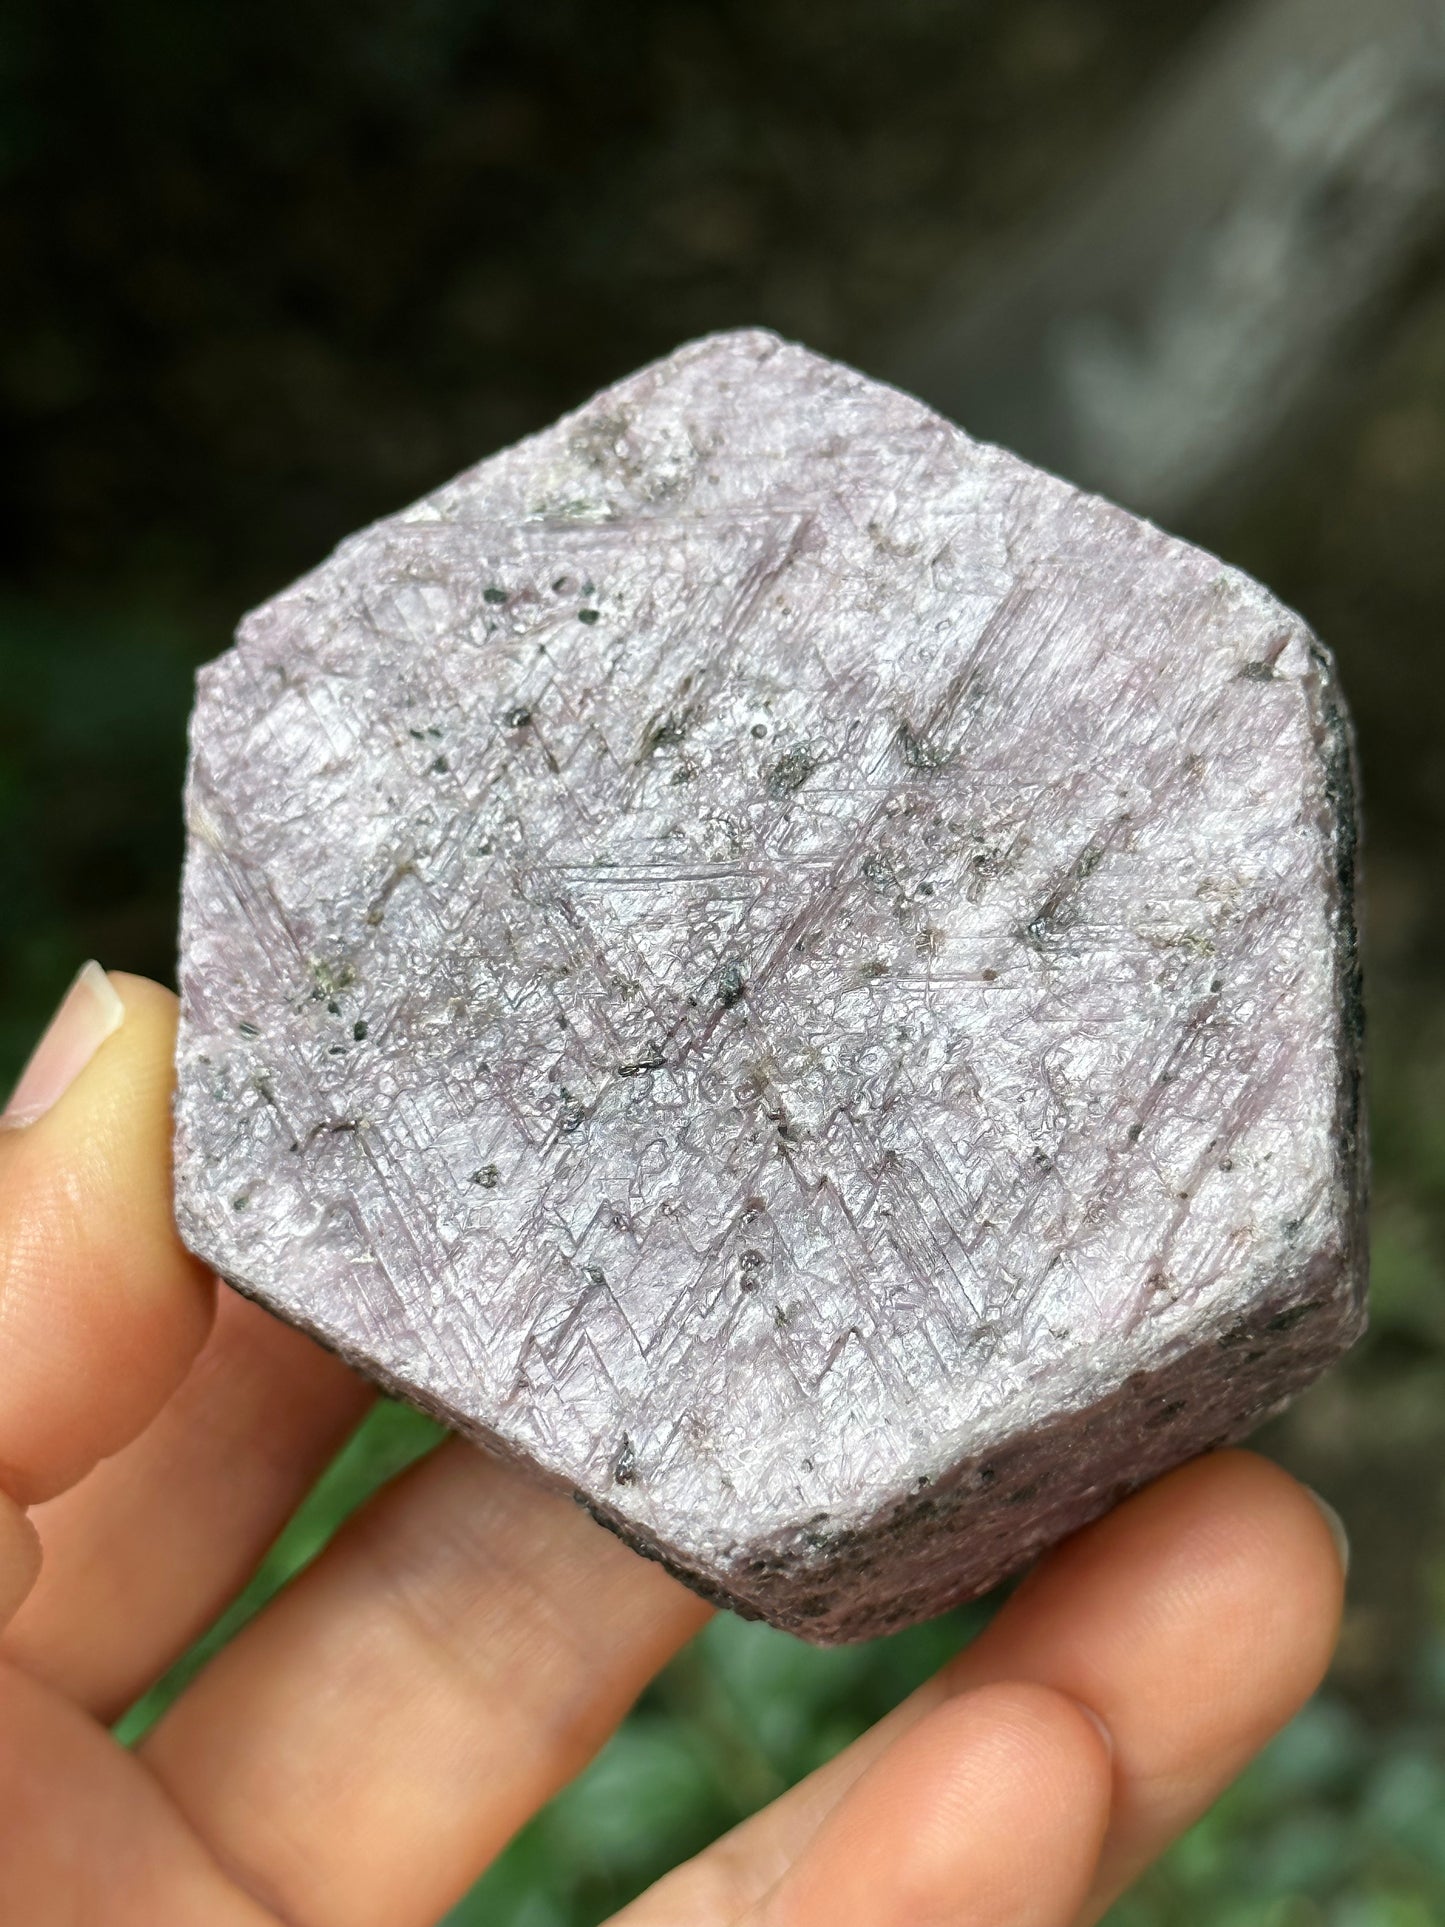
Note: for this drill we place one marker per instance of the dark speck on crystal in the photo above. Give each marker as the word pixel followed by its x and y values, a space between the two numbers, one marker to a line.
pixel 791 771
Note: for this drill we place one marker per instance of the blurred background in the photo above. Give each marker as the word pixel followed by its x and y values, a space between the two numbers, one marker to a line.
pixel 272 271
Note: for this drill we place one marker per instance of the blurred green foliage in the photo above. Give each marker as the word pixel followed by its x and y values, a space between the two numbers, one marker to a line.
pixel 271 271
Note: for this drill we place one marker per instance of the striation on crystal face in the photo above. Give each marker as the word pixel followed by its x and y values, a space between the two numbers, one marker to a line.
pixel 790 972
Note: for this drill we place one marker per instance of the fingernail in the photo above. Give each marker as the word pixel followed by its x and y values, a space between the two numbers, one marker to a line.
pixel 1337 1528
pixel 90 1012
pixel 1097 1720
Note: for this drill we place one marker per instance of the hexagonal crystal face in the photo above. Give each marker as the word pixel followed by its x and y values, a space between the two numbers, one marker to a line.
pixel 788 969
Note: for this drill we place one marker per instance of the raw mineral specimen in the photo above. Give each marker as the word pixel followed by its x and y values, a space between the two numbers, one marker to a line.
pixel 792 973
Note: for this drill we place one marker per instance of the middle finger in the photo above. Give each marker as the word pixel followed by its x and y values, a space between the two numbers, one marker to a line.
pixel 150 1547
pixel 366 1746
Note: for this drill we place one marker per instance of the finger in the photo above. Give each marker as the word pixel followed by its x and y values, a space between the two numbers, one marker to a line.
pixel 989 1812
pixel 1195 1620
pixel 19 1557
pixel 101 1311
pixel 147 1551
pixel 86 1835
pixel 1231 1633
pixel 364 1748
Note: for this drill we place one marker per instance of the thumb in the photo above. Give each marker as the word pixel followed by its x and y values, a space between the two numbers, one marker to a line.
pixel 101 1309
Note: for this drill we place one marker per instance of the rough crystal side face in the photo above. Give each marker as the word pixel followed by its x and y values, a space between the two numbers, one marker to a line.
pixel 789 971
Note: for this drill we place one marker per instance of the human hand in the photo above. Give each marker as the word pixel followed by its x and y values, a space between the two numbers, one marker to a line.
pixel 368 1744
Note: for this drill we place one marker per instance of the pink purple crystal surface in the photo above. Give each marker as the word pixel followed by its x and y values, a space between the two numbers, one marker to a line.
pixel 789 971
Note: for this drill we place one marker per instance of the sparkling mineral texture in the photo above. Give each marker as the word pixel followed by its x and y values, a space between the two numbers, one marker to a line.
pixel 790 972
